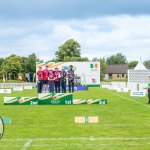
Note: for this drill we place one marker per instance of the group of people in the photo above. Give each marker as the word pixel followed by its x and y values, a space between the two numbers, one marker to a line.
pixel 55 80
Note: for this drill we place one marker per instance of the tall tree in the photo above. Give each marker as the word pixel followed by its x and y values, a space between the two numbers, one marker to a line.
pixel 147 64
pixel 1 61
pixel 95 59
pixel 70 50
pixel 132 64
pixel 103 68
pixel 12 65
pixel 119 58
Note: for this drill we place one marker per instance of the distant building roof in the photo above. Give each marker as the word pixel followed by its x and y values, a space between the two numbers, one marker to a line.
pixel 117 69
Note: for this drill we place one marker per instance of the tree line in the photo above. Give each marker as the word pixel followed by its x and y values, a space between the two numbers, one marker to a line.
pixel 69 51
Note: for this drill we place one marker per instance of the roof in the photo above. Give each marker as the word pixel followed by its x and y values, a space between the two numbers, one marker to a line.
pixel 117 69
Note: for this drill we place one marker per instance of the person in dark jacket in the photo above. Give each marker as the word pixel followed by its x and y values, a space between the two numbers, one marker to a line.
pixel 57 80
pixel 63 76
pixel 71 76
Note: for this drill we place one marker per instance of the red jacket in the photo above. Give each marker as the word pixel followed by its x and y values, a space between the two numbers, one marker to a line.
pixel 51 76
pixel 57 76
pixel 45 74
pixel 39 75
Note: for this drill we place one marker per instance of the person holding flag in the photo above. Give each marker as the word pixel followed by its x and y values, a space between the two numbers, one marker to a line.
pixel 57 80
pixel 40 80
pixel 71 76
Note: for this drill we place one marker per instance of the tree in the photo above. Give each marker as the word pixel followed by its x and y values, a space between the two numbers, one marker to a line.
pixel 103 68
pixel 11 65
pixel 70 50
pixel 147 64
pixel 132 64
pixel 95 59
pixel 1 61
pixel 29 64
pixel 116 59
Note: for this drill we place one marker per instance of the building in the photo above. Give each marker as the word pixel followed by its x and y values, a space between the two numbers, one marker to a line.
pixel 115 72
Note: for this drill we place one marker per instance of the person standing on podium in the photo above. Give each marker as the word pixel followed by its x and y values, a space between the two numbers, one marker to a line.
pixel 63 76
pixel 71 76
pixel 40 80
pixel 57 80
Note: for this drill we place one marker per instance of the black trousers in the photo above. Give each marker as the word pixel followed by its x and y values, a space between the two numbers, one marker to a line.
pixel 63 86
pixel 40 86
pixel 71 86
pixel 149 95
pixel 51 86
pixel 57 86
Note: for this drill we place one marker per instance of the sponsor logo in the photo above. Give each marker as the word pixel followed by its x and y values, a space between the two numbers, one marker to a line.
pixel 34 103
pixel 55 101
pixel 137 93
pixel 68 102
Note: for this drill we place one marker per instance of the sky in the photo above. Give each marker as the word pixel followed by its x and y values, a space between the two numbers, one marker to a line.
pixel 102 27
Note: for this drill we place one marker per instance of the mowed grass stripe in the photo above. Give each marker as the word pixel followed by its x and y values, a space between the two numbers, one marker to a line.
pixel 119 118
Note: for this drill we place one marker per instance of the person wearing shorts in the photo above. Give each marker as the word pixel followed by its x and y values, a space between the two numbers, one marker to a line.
pixel 45 79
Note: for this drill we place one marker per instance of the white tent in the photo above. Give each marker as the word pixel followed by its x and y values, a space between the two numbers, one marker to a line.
pixel 139 74
pixel 140 66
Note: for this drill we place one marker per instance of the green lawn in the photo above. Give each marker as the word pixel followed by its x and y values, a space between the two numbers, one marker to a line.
pixel 124 124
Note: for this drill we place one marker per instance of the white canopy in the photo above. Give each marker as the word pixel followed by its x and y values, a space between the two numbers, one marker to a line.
pixel 140 66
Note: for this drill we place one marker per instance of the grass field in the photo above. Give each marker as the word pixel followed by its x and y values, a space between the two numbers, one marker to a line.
pixel 124 124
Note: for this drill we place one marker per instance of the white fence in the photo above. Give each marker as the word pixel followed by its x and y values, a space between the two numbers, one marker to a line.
pixel 12 85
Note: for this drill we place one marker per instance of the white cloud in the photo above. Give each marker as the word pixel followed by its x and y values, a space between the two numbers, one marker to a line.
pixel 99 37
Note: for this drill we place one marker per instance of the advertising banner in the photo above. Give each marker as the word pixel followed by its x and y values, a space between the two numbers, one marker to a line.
pixel 42 99
pixel 86 73
pixel 90 101
pixel 79 88
pixel 51 99
pixel 138 93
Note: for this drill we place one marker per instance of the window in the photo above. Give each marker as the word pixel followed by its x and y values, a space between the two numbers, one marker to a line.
pixel 117 75
pixel 123 75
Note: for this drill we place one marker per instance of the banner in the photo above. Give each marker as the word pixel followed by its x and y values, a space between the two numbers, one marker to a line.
pixel 42 99
pixel 79 88
pixel 90 101
pixel 51 99
pixel 138 93
pixel 87 73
